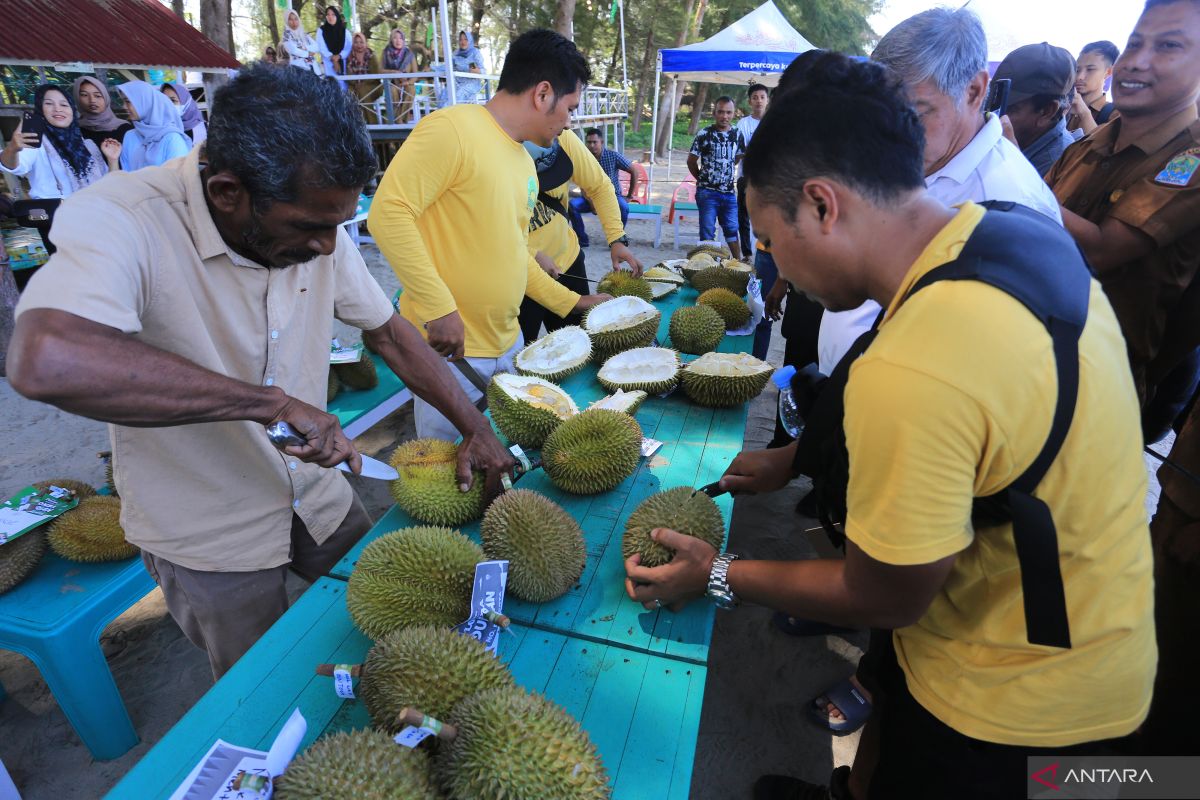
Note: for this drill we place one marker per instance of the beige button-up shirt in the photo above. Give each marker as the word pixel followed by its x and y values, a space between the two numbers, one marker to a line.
pixel 139 252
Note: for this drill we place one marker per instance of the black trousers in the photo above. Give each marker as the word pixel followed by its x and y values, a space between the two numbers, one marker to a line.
pixel 801 323
pixel 533 314
pixel 743 220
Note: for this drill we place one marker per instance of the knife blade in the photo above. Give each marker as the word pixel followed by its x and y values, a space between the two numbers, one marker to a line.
pixel 283 435
pixel 712 490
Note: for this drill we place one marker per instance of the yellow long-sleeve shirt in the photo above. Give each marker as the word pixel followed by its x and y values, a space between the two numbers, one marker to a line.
pixel 451 216
pixel 549 231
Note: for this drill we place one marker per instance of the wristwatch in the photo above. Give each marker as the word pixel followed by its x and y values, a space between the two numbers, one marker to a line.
pixel 718 582
pixel 623 240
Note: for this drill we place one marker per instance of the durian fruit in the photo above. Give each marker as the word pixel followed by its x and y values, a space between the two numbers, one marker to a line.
pixel 429 668
pixel 660 273
pixel 593 451
pixel 358 765
pixel 359 374
pixel 556 355
pixel 712 248
pixel 526 409
pixel 696 264
pixel 333 388
pixel 79 488
pixel 542 543
pixel 731 275
pixel 621 400
pixel 413 576
pixel 694 514
pixel 696 329
pixel 653 370
pixel 20 557
pixel 721 380
pixel 427 487
pixel 621 324
pixel 91 532
pixel 620 283
pixel 512 744
pixel 660 290
pixel 732 308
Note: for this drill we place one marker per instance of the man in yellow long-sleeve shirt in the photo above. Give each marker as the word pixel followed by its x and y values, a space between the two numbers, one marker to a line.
pixel 453 209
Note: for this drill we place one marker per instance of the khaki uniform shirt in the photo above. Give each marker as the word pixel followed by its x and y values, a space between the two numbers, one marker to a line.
pixel 139 252
pixel 1097 181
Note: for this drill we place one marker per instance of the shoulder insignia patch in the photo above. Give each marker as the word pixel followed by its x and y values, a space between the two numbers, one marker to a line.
pixel 1180 169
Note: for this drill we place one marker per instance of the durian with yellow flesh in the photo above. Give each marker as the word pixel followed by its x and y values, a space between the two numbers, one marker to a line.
pixel 358 765
pixel 593 451
pixel 621 283
pixel 514 745
pixel 20 557
pixel 527 409
pixel 711 248
pixel 413 576
pixel 333 387
pixel 622 323
pixel 731 275
pixel 663 274
pixel 621 400
pixel 358 375
pixel 696 264
pixel 91 532
pixel 428 668
pixel 660 290
pixel 680 509
pixel 696 329
pixel 557 355
pixel 732 308
pixel 723 380
pixel 542 543
pixel 653 370
pixel 427 487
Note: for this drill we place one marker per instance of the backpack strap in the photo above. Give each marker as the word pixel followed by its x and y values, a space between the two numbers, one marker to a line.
pixel 558 173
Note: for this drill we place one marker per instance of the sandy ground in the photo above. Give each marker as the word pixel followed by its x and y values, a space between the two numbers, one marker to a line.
pixel 759 680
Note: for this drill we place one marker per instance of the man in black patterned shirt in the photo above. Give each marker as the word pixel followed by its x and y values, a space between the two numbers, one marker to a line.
pixel 711 163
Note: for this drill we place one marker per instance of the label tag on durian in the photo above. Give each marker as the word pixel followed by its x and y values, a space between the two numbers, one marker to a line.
pixel 487 603
pixel 29 508
pixel 650 446
pixel 411 737
pixel 344 355
pixel 343 681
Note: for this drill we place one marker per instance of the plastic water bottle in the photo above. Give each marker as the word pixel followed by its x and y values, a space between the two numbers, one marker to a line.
pixel 789 412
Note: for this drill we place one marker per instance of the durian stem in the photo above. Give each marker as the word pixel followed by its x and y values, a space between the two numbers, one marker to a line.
pixel 411 716
pixel 498 618
pixel 356 670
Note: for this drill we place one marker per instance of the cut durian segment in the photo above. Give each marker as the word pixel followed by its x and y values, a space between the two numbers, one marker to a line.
pixel 664 274
pixel 621 400
pixel 710 247
pixel 725 379
pixel 526 408
pixel 649 369
pixel 538 393
pixel 620 324
pixel 660 290
pixel 556 355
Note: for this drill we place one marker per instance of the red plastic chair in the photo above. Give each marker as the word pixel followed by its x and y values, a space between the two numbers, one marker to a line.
pixel 642 197
pixel 685 192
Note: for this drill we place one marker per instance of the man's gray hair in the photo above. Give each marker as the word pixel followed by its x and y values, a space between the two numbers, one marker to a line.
pixel 943 45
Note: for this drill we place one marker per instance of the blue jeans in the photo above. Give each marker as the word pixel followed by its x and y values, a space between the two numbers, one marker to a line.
pixel 717 207
pixel 580 206
pixel 768 273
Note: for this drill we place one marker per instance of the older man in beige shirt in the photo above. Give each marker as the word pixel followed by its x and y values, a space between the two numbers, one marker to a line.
pixel 190 305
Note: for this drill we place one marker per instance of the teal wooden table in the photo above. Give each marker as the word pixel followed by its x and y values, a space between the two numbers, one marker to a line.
pixel 359 410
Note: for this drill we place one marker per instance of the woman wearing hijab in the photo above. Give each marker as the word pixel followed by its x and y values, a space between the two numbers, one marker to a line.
pixel 397 57
pixel 300 48
pixel 362 61
pixel 96 118
pixel 157 134
pixel 333 42
pixel 467 58
pixel 189 112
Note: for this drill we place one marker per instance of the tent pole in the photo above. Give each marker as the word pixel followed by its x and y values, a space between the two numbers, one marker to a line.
pixel 671 130
pixel 624 69
pixel 654 119
pixel 451 89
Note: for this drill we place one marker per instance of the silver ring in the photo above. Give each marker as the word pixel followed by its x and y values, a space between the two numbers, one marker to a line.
pixel 658 603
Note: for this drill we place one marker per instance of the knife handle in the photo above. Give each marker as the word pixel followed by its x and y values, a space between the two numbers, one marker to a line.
pixel 282 434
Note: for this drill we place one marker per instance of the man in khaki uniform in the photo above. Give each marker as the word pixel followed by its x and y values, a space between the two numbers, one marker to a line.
pixel 204 312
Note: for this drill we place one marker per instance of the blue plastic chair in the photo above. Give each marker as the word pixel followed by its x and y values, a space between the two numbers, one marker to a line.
pixel 55 618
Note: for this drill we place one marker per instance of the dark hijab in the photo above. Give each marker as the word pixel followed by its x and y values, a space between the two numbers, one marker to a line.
pixel 335 34
pixel 68 141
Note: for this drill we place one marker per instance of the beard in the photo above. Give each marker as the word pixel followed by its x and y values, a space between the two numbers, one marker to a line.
pixel 260 244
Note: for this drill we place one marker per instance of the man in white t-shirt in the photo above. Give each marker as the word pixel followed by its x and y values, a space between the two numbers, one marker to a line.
pixel 966 154
pixel 746 126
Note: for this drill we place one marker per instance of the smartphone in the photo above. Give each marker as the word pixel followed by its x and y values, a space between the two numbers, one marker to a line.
pixel 32 123
pixel 998 97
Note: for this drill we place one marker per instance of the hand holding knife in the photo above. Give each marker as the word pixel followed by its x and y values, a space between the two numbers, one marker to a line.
pixel 284 435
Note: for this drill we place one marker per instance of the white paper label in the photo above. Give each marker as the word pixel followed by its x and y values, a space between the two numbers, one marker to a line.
pixel 411 737
pixel 343 683
pixel 650 447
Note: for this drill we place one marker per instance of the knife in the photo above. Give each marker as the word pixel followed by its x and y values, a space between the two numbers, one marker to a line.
pixel 283 435
pixel 712 490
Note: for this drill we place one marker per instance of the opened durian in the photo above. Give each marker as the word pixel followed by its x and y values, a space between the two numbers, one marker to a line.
pixel 513 745
pixel 526 409
pixel 660 290
pixel 696 329
pixel 358 375
pixel 621 324
pixel 542 543
pixel 620 283
pixel 414 576
pixel 556 355
pixel 661 273
pixel 680 509
pixel 731 275
pixel 621 400
pixel 593 451
pixel 696 264
pixel 358 765
pixel 428 488
pixel 720 380
pixel 732 308
pixel 428 668
pixel 91 532
pixel 711 248
pixel 653 370
pixel 20 557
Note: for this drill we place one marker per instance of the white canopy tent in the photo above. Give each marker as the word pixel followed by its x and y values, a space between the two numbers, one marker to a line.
pixel 755 49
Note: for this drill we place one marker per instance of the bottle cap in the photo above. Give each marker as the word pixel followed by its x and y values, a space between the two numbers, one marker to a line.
pixel 783 377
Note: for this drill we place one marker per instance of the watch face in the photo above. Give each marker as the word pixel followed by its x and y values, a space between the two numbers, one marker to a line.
pixel 722 601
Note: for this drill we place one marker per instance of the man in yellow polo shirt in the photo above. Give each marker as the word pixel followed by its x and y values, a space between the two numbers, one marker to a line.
pixel 452 215
pixel 953 401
